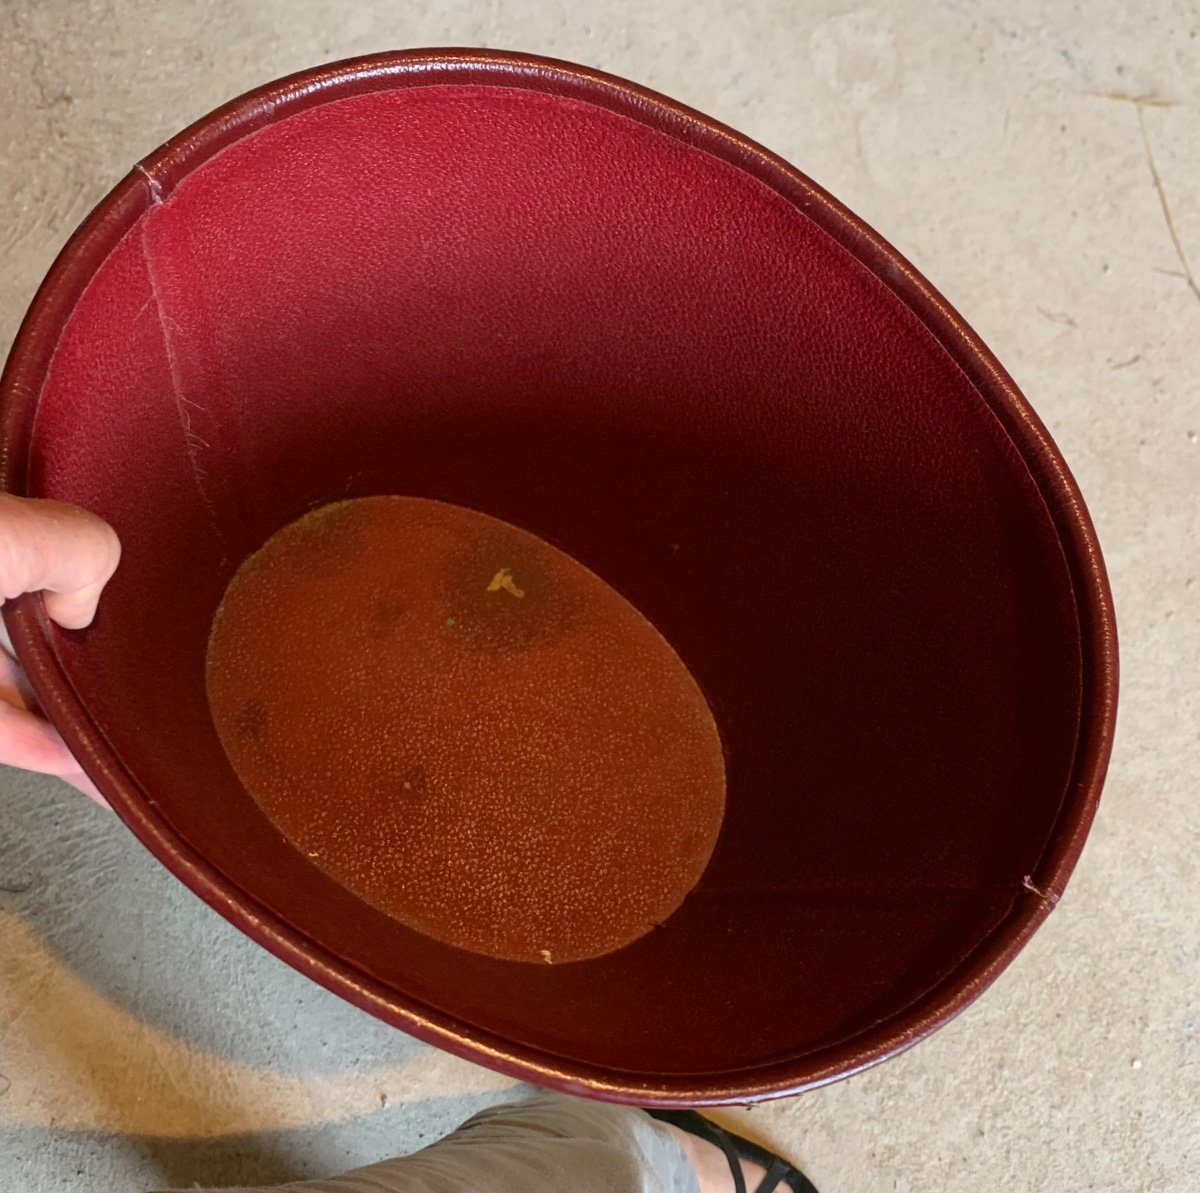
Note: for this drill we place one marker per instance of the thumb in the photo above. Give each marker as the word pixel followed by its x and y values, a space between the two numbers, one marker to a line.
pixel 61 550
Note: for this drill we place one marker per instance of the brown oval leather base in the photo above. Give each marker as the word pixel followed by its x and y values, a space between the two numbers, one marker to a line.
pixel 467 728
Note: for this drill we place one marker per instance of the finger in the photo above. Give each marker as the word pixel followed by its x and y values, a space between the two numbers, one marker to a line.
pixel 31 743
pixel 75 610
pixel 14 686
pixel 61 550
pixel 82 783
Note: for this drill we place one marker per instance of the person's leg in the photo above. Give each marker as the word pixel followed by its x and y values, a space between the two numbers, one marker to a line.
pixel 544 1144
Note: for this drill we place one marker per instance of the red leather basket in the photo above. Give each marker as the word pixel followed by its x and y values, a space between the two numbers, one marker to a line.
pixel 541 292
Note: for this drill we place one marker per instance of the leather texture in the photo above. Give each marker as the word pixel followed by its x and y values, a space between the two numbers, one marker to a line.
pixel 539 292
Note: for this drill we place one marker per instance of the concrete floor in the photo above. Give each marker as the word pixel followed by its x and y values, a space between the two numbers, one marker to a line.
pixel 1044 171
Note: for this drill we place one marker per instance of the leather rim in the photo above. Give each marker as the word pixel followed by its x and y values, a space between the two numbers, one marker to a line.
pixel 153 179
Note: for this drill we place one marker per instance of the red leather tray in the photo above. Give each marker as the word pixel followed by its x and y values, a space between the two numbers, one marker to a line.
pixel 542 292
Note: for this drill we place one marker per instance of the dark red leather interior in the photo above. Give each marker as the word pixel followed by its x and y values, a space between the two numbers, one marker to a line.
pixel 570 314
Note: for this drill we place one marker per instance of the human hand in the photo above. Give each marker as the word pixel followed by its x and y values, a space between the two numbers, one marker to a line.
pixel 68 555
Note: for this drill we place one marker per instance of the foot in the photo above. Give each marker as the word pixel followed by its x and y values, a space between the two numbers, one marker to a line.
pixel 712 1166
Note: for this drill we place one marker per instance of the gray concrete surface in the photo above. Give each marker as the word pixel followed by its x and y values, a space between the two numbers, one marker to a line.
pixel 1041 163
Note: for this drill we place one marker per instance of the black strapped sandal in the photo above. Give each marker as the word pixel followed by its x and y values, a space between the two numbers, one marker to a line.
pixel 736 1149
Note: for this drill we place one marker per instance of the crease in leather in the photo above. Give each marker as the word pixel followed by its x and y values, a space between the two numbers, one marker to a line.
pixel 192 442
